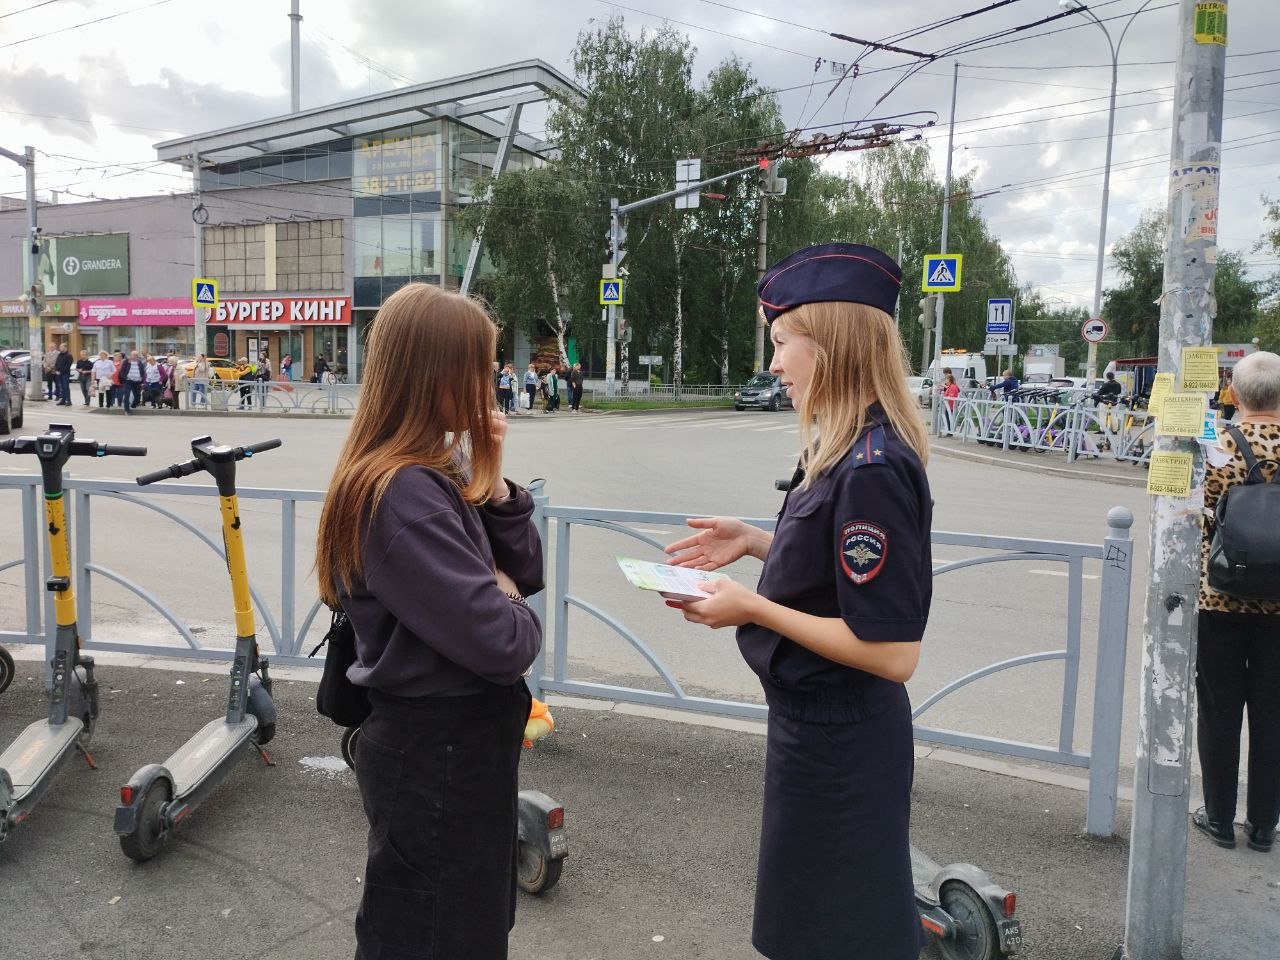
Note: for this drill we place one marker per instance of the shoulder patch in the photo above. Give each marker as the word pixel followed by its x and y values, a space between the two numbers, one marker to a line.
pixel 868 448
pixel 863 548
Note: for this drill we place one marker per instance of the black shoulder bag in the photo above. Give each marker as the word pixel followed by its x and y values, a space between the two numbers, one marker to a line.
pixel 1244 552
pixel 337 698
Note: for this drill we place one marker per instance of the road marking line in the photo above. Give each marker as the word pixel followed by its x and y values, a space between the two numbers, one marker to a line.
pixel 1062 573
pixel 789 427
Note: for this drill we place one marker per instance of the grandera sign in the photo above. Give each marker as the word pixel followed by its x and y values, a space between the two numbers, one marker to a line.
pixel 257 311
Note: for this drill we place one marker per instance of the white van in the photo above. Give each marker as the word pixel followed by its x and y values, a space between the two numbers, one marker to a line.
pixel 969 369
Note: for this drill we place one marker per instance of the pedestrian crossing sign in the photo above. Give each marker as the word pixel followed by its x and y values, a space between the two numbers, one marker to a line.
pixel 204 293
pixel 610 293
pixel 942 273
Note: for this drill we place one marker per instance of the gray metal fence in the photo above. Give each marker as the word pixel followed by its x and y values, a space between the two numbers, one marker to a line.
pixel 275 396
pixel 1077 429
pixel 284 632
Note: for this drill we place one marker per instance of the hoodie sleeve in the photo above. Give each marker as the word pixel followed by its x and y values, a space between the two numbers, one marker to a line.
pixel 517 548
pixel 430 575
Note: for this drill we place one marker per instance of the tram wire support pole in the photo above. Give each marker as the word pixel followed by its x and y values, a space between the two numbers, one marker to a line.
pixel 1158 846
pixel 1091 367
pixel 35 337
pixel 946 216
pixel 762 265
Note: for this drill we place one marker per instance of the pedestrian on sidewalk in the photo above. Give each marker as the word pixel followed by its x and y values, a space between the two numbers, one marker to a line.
pixel 1008 385
pixel 1227 398
pixel 84 370
pixel 530 386
pixel 506 389
pixel 62 364
pixel 833 631
pixel 200 381
pixel 49 366
pixel 103 374
pixel 132 371
pixel 1238 652
pixel 950 391
pixel 575 388
pixel 430 553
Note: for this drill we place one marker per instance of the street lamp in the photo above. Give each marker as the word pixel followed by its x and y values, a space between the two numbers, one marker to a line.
pixel 1092 372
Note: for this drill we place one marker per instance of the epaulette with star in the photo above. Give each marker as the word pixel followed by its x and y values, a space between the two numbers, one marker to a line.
pixel 869 448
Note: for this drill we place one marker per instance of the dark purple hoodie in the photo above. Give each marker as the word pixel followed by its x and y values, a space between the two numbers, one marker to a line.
pixel 429 616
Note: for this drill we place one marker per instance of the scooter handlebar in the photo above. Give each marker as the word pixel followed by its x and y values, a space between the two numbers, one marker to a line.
pixel 115 450
pixel 250 449
pixel 171 472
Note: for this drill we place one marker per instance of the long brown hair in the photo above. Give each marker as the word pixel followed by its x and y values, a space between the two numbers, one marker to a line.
pixel 426 400
pixel 859 358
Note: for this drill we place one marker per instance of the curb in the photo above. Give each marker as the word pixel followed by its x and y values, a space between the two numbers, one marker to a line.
pixel 1040 468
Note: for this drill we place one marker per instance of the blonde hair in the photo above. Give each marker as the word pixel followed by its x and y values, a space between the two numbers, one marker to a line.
pixel 859 359
pixel 424 343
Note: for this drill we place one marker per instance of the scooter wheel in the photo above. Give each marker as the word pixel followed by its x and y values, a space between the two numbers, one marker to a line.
pixel 976 935
pixel 148 836
pixel 6 669
pixel 536 873
pixel 349 738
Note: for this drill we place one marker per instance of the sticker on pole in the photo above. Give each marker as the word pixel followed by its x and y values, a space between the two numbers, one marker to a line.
pixel 204 293
pixel 1094 331
pixel 942 273
pixel 1211 23
pixel 610 293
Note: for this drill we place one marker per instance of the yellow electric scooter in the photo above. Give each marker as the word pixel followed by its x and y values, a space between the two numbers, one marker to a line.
pixel 30 763
pixel 160 796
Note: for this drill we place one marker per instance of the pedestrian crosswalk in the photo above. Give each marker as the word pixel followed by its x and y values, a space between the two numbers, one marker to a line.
pixel 734 422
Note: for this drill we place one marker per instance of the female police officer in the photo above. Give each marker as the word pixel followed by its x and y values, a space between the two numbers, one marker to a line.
pixel 833 630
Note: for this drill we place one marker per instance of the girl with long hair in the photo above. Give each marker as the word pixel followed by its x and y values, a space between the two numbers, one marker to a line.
pixel 431 552
pixel 833 629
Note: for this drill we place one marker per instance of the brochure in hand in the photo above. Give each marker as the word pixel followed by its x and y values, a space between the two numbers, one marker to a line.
pixel 674 583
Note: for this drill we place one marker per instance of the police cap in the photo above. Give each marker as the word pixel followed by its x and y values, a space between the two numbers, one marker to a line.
pixel 848 272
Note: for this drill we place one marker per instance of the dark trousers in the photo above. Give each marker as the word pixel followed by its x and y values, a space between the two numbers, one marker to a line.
pixel 1238 664
pixel 1228 411
pixel 86 381
pixel 438 777
pixel 130 394
pixel 64 387
pixel 51 385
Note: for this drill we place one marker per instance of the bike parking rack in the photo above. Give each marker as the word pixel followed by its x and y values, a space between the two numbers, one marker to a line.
pixel 287 633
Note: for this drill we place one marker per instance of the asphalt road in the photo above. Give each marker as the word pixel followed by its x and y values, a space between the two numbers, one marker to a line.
pixel 693 463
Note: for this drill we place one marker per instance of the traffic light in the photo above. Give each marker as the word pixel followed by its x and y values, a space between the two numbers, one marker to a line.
pixel 770 182
pixel 927 312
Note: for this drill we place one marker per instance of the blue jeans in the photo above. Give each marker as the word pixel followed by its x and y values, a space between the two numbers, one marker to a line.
pixel 64 387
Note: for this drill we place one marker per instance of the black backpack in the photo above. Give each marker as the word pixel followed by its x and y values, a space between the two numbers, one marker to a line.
pixel 337 697
pixel 1244 553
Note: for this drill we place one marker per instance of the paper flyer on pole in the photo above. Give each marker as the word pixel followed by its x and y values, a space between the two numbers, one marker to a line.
pixel 674 583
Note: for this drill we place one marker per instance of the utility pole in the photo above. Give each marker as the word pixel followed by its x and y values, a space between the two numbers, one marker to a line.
pixel 946 211
pixel 295 57
pixel 1158 848
pixel 762 264
pixel 35 337
pixel 198 217
pixel 617 252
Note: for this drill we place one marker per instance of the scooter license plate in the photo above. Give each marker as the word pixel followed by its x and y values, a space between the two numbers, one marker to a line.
pixel 558 843
pixel 1010 935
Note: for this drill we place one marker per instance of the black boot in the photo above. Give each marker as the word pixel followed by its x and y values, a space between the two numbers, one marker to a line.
pixel 1260 838
pixel 1224 835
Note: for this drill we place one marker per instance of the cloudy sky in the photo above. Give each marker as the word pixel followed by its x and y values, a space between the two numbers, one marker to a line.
pixel 93 97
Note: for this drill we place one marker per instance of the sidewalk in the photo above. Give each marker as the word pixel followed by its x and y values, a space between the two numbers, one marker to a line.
pixel 663 820
pixel 1101 470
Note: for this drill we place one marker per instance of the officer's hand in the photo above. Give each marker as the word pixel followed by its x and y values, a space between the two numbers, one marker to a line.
pixel 719 541
pixel 728 606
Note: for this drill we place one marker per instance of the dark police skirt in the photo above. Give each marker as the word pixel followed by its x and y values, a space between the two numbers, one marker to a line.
pixel 834 879
pixel 438 777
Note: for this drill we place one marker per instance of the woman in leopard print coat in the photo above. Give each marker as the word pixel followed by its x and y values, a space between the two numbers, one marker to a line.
pixel 1238 658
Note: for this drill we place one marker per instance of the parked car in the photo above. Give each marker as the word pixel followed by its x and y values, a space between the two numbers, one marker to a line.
pixel 922 387
pixel 12 382
pixel 219 369
pixel 762 392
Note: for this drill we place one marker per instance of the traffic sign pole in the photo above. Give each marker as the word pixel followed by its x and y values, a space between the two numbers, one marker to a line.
pixel 946 210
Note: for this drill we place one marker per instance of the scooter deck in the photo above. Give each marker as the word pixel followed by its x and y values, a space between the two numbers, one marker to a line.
pixel 36 752
pixel 196 759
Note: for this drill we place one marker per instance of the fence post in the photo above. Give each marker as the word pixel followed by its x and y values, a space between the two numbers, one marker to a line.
pixel 1004 423
pixel 1108 693
pixel 538 602
pixel 1075 426
pixel 288 589
pixel 32 526
pixel 80 568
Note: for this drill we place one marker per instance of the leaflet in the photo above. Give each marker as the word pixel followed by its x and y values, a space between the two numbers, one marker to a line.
pixel 674 583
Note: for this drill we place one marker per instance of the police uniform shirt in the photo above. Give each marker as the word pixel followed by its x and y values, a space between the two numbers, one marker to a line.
pixel 854 545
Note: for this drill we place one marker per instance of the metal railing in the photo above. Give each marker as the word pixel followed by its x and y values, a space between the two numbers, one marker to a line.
pixel 283 632
pixel 640 390
pixel 1077 429
pixel 275 396
pixel 1103 758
